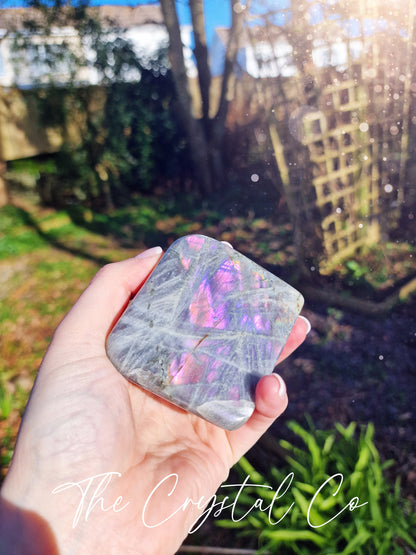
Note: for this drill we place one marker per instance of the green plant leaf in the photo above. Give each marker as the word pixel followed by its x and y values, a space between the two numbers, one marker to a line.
pixel 280 536
pixel 383 523
pixel 359 539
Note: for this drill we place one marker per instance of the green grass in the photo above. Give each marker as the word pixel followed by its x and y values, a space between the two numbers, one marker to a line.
pixel 379 267
pixel 6 403
pixel 6 312
pixel 6 450
pixel 20 233
pixel 16 235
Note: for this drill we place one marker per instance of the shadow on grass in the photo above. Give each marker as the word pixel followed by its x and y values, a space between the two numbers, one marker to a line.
pixel 129 227
pixel 48 238
pixel 145 223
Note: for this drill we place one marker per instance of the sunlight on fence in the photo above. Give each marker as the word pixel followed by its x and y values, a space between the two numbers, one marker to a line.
pixel 342 127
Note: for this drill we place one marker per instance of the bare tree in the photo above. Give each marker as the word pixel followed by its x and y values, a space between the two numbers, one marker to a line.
pixel 205 134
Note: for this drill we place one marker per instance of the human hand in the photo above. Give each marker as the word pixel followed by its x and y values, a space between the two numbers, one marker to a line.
pixel 84 420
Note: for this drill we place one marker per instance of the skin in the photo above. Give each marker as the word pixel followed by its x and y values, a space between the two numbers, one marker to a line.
pixel 84 419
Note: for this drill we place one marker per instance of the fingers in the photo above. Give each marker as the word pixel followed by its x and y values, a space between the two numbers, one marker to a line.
pixel 271 401
pixel 297 336
pixel 102 303
pixel 271 397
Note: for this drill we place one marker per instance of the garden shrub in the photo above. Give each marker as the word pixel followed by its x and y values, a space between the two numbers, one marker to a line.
pixel 127 145
pixel 334 470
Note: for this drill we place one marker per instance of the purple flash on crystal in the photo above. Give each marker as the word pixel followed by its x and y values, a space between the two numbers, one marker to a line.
pixel 205 327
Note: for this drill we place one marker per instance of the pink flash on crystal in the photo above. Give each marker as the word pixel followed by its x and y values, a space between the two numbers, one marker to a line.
pixel 261 324
pixel 186 369
pixel 234 393
pixel 211 376
pixel 207 308
pixel 186 261
pixel 226 276
pixel 258 324
pixel 201 310
pixel 196 242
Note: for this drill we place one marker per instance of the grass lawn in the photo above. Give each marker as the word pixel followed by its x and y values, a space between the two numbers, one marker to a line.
pixel 39 283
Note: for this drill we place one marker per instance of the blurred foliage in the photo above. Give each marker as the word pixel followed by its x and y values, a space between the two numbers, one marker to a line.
pixel 6 403
pixel 6 452
pixel 375 518
pixel 128 135
pixel 378 268
pixel 129 145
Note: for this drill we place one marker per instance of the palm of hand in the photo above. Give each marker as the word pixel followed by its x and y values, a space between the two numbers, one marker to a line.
pixel 110 425
pixel 85 421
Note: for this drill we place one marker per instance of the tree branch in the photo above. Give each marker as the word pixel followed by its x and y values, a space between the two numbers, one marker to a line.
pixel 201 55
pixel 238 10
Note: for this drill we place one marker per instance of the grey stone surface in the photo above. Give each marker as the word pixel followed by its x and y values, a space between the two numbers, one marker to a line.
pixel 204 328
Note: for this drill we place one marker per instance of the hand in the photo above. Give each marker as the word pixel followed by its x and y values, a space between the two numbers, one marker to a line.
pixel 84 420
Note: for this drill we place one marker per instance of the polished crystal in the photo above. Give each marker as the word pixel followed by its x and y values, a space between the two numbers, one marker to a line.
pixel 204 328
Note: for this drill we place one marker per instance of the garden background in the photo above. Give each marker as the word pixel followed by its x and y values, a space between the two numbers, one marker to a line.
pixel 303 159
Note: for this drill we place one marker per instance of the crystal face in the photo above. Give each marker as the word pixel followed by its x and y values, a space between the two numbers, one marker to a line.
pixel 204 328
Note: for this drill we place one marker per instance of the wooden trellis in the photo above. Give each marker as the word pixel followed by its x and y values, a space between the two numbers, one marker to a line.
pixel 341 142
pixel 338 202
pixel 388 75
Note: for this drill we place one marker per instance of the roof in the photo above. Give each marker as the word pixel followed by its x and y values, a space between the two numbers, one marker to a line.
pixel 120 16
pixel 11 18
pixel 131 16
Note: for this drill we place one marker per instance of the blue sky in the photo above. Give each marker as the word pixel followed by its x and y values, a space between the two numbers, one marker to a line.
pixel 217 11
pixel 217 14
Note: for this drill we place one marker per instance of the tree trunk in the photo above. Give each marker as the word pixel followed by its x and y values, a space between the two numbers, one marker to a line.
pixel 219 121
pixel 205 136
pixel 201 56
pixel 197 140
pixel 4 196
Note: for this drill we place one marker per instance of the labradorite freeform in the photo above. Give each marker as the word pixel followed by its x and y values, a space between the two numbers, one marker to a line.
pixel 204 328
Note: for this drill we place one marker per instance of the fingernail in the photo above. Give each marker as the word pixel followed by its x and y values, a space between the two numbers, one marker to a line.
pixel 307 323
pixel 155 251
pixel 227 243
pixel 282 385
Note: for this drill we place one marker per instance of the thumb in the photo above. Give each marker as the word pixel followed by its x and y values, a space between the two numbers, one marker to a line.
pixel 101 304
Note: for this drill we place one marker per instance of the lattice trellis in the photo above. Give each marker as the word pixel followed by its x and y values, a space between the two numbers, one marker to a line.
pixel 342 146
pixel 339 202
pixel 388 75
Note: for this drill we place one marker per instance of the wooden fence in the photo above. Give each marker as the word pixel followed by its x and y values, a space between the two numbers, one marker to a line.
pixel 330 177
pixel 343 138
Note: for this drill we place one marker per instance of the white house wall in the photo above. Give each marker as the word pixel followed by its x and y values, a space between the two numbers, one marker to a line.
pixel 25 72
pixel 6 69
pixel 147 40
pixel 267 60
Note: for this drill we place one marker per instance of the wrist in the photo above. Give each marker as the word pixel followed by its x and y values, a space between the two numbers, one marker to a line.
pixel 24 532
